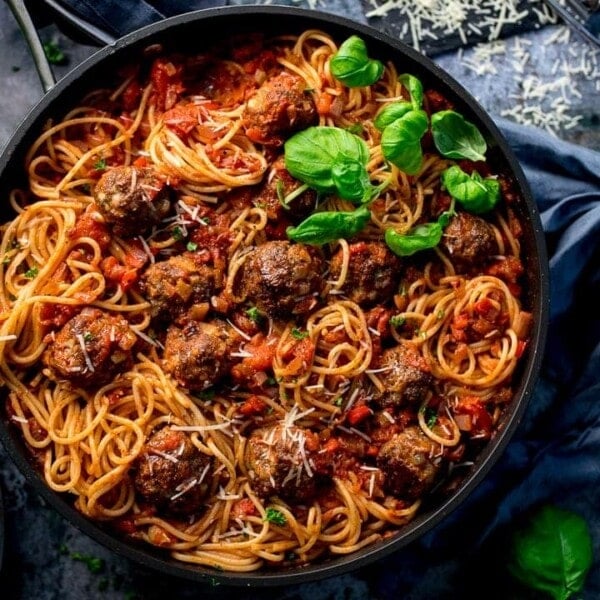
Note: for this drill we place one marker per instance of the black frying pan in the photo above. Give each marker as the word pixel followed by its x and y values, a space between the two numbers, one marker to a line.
pixel 192 32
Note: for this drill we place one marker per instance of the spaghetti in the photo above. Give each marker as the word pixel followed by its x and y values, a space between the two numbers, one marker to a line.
pixel 196 380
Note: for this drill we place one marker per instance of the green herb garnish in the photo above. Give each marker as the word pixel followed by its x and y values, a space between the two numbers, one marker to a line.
pixel 275 516
pixel 254 315
pixel 298 334
pixel 552 552
pixel 455 137
pixel 329 226
pixel 401 141
pixel 177 234
pixel 93 563
pixel 397 321
pixel 476 194
pixel 421 237
pixel 53 53
pixel 32 273
pixel 352 66
pixel 192 246
pixel 331 160
pixel 100 164
pixel 88 337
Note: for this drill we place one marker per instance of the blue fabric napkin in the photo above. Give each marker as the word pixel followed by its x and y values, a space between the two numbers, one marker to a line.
pixel 555 454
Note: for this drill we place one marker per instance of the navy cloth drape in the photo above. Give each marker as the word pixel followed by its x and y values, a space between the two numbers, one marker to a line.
pixel 555 455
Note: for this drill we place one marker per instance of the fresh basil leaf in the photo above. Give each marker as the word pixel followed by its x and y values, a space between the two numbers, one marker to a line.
pixel 329 226
pixel 455 137
pixel 390 113
pixel 421 237
pixel 401 141
pixel 476 194
pixel 312 154
pixel 351 179
pixel 352 66
pixel 552 552
pixel 415 89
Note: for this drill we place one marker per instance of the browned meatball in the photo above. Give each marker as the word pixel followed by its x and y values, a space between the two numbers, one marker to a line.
pixel 171 473
pixel 173 285
pixel 91 348
pixel 373 272
pixel 284 461
pixel 282 279
pixel 407 464
pixel 278 108
pixel 406 377
pixel 132 199
pixel 198 354
pixel 469 239
pixel 280 182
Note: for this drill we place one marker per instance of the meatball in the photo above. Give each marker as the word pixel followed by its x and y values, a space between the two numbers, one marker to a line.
pixel 278 108
pixel 406 463
pixel 469 239
pixel 173 285
pixel 198 354
pixel 281 182
pixel 132 199
pixel 171 473
pixel 406 376
pixel 282 279
pixel 91 348
pixel 283 460
pixel 373 272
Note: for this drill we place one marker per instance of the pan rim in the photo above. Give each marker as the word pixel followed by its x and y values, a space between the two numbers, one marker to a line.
pixel 149 557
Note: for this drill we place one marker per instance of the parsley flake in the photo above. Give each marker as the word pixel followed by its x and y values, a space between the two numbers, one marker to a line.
pixel 53 53
pixel 275 516
pixel 100 164
pixel 192 246
pixel 298 334
pixel 32 273
pixel 397 320
pixel 177 234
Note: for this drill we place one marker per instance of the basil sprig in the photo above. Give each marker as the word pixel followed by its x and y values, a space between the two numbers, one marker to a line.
pixel 455 137
pixel 331 160
pixel 329 226
pixel 401 141
pixel 420 237
pixel 352 66
pixel 414 87
pixel 402 125
pixel 552 552
pixel 476 194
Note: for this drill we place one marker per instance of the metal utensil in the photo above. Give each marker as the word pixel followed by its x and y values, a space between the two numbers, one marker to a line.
pixel 577 15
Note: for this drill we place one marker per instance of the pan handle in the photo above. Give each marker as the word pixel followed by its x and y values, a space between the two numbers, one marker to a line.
pixel 32 38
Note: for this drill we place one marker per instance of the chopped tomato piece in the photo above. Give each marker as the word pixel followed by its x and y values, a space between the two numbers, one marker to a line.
pixel 253 405
pixel 357 414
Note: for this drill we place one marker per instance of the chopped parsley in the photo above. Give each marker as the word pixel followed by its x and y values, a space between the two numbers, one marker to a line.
pixel 397 320
pixel 192 246
pixel 298 334
pixel 100 164
pixel 53 53
pixel 93 563
pixel 208 394
pixel 32 273
pixel 430 415
pixel 254 315
pixel 275 516
pixel 338 401
pixel 6 260
pixel 177 234
pixel 88 337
